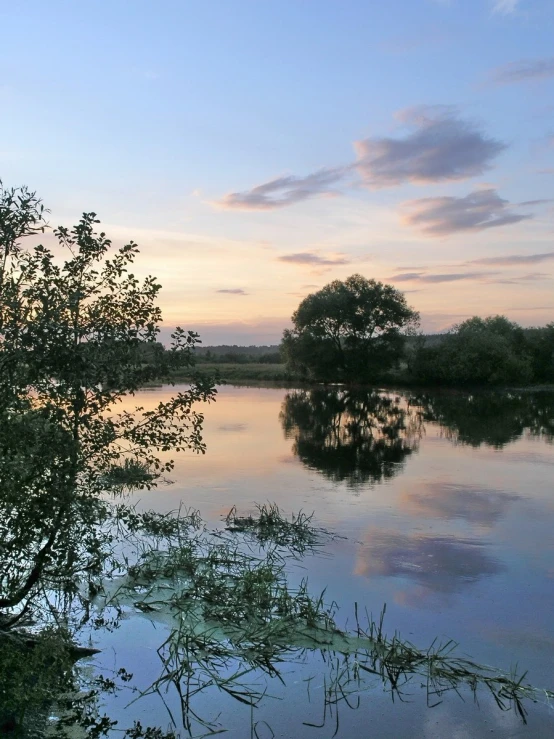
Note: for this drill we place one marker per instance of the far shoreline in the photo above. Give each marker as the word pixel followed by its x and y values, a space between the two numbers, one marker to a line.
pixel 276 376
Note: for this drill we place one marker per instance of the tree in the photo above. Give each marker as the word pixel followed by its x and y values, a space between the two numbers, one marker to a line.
pixel 479 351
pixel 351 330
pixel 540 343
pixel 72 339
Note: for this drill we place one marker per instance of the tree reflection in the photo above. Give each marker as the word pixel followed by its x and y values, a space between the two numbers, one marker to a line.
pixel 350 435
pixel 494 419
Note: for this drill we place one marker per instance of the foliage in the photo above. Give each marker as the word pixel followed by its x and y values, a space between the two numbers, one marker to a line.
pixel 72 333
pixel 489 351
pixel 349 330
pixel 540 345
pixel 270 526
pixel 33 673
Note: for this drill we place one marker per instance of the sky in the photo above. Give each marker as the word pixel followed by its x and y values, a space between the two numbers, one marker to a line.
pixel 258 149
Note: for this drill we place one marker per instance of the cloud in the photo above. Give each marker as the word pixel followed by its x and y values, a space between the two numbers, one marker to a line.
pixel 283 191
pixel 530 277
pixel 422 277
pixel 315 260
pixel 505 7
pixel 441 146
pixel 523 70
pixel 515 259
pixel 541 201
pixel 479 210
pixel 232 291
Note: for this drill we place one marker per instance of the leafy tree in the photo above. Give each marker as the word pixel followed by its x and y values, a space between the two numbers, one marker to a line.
pixel 72 338
pixel 479 351
pixel 540 345
pixel 349 330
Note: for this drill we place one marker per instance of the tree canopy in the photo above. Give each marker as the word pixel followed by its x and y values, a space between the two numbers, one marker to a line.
pixel 479 351
pixel 351 330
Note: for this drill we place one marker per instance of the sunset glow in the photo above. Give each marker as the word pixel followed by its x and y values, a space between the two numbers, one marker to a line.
pixel 257 151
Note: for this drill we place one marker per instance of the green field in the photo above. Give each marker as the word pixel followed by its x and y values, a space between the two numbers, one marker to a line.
pixel 242 372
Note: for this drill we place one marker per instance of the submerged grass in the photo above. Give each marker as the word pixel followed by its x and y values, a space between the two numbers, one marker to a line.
pixel 234 620
pixel 270 526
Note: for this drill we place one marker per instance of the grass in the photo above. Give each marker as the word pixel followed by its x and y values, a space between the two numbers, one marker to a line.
pixel 296 534
pixel 235 620
pixel 241 372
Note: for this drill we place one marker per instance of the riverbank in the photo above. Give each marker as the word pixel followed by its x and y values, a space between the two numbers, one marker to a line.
pixel 277 375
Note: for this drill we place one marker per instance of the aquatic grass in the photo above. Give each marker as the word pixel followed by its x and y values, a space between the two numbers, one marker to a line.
pixel 271 527
pixel 235 620
pixel 129 475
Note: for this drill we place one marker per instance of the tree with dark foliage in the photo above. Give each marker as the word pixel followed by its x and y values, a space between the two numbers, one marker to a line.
pixel 352 330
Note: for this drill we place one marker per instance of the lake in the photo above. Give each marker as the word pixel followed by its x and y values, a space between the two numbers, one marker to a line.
pixel 443 508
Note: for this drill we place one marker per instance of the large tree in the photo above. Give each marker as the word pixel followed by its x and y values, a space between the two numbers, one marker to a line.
pixel 351 330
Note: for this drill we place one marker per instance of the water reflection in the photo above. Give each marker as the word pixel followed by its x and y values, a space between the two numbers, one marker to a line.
pixel 494 419
pixel 439 563
pixel 477 505
pixel 351 435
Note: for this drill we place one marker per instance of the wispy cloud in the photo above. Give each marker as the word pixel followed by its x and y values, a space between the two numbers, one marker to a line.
pixel 448 277
pixel 530 277
pixel 440 146
pixel 313 259
pixel 232 291
pixel 505 7
pixel 542 201
pixel 479 210
pixel 515 259
pixel 523 70
pixel 283 191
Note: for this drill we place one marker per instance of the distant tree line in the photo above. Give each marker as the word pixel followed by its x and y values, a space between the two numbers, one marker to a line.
pixel 361 330
pixel 227 354
pixel 484 351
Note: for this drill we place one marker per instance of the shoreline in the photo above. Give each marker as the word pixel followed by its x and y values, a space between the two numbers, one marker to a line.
pixel 275 375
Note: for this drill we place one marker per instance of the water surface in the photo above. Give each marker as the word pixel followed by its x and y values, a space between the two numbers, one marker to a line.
pixel 446 505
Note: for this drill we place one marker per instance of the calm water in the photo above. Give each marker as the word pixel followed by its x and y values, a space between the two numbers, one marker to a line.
pixel 447 505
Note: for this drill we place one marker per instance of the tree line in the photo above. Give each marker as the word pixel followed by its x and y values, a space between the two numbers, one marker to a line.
pixel 362 331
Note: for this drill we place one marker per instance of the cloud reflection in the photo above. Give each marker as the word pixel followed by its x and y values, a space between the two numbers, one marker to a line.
pixel 441 564
pixel 479 506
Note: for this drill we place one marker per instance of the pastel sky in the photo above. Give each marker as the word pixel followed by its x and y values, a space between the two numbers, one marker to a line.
pixel 258 149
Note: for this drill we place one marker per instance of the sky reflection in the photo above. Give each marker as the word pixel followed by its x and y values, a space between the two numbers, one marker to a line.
pixel 455 537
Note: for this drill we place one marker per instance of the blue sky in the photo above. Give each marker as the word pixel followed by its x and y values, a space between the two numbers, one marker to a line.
pixel 257 150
